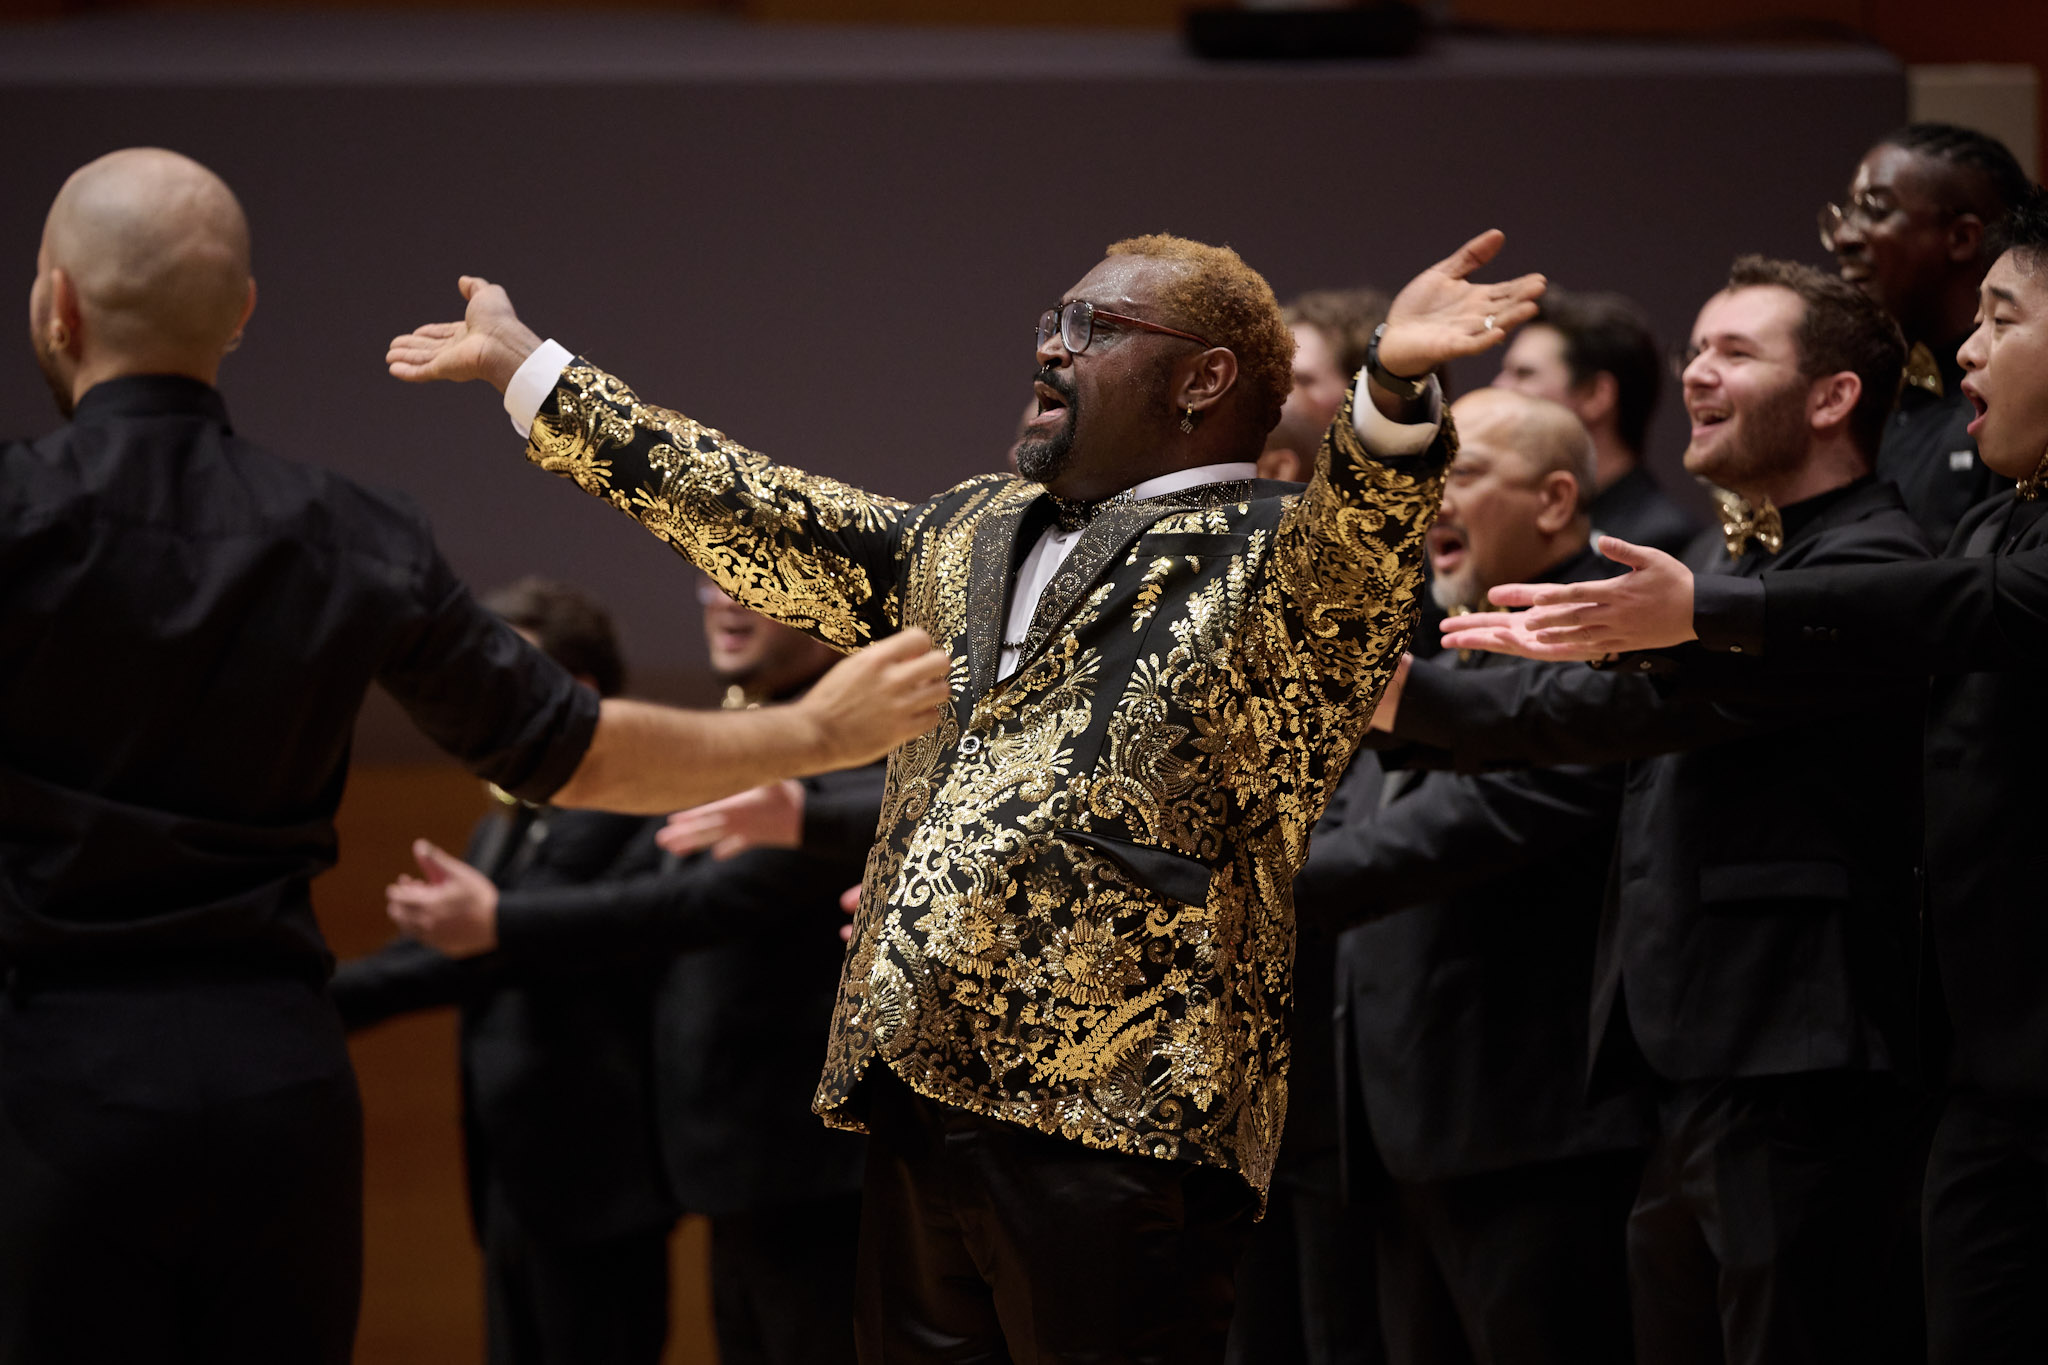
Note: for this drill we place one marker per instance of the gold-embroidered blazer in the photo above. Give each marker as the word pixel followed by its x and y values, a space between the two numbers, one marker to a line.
pixel 1079 913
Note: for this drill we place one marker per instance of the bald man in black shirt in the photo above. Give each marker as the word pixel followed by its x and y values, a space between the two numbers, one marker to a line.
pixel 187 628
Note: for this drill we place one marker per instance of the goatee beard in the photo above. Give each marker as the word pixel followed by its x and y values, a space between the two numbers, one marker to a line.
pixel 1041 459
pixel 1772 439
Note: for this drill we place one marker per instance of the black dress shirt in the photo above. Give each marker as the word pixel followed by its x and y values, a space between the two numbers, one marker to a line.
pixel 1930 456
pixel 188 625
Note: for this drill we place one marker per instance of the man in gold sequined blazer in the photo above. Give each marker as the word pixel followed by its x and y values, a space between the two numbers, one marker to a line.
pixel 1063 1018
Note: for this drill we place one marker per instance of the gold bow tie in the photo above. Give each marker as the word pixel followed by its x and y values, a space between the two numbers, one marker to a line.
pixel 1741 523
pixel 1922 371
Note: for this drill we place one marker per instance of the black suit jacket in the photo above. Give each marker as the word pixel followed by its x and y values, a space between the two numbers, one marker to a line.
pixel 557 1066
pixel 1978 620
pixel 1467 1010
pixel 752 956
pixel 1760 916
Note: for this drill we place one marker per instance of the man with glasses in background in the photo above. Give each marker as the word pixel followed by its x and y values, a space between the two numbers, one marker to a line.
pixel 1063 1018
pixel 1913 233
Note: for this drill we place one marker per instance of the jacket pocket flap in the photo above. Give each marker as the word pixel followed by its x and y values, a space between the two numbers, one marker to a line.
pixel 1773 881
pixel 1174 875
pixel 1193 543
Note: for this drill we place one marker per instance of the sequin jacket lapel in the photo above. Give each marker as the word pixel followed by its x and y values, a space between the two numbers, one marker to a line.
pixel 1079 915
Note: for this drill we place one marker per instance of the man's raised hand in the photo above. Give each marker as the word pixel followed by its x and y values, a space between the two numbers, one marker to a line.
pixel 876 698
pixel 1443 313
pixel 1649 607
pixel 490 343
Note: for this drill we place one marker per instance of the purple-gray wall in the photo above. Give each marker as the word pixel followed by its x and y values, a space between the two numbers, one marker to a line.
pixel 832 244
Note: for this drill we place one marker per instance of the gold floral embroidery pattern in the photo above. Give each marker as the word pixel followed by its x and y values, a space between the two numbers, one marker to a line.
pixel 1079 915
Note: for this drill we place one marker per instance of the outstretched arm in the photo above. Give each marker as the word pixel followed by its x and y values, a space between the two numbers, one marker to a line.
pixel 809 552
pixel 1955 615
pixel 646 759
pixel 1456 833
pixel 1649 607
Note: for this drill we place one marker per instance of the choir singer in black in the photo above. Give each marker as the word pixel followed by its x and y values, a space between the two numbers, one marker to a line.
pixel 1756 962
pixel 1977 619
pixel 188 625
pixel 1463 1016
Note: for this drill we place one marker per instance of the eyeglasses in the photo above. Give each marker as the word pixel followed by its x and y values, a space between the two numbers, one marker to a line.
pixel 1864 210
pixel 1074 323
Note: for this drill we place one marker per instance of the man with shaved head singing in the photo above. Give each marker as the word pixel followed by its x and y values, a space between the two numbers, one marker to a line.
pixel 187 628
pixel 1063 1020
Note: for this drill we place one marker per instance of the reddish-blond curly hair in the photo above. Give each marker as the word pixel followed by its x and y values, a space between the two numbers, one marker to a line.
pixel 1220 297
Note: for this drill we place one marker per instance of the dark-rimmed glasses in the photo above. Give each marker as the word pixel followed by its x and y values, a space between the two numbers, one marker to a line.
pixel 1074 323
pixel 1863 211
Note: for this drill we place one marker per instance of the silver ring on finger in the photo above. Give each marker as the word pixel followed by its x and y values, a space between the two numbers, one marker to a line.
pixel 1489 321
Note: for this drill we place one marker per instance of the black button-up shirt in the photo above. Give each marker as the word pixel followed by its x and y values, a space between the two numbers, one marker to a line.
pixel 187 627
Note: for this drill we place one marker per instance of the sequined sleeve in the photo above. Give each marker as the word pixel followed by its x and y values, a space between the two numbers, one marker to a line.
pixel 1348 572
pixel 810 552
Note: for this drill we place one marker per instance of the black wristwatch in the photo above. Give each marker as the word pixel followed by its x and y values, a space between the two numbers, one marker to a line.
pixel 1408 390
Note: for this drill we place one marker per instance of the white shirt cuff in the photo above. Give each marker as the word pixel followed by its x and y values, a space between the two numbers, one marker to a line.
pixel 536 378
pixel 1382 435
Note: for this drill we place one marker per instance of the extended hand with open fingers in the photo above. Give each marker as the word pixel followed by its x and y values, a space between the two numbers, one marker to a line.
pixel 1444 313
pixel 1649 607
pixel 768 816
pixel 490 343
pixel 455 909
pixel 876 698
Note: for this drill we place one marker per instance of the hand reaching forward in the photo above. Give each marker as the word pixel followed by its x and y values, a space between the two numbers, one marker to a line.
pixel 1649 607
pixel 876 698
pixel 770 816
pixel 1443 313
pixel 490 343
pixel 455 909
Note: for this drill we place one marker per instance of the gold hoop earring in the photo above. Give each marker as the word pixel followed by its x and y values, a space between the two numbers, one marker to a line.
pixel 1187 421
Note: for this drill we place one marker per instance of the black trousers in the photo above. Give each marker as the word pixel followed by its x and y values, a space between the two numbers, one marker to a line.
pixel 982 1241
pixel 782 1282
pixel 1306 1286
pixel 549 1302
pixel 1523 1266
pixel 1764 1231
pixel 1986 1227
pixel 180 1175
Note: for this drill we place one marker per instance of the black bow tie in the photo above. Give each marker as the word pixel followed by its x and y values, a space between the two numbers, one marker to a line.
pixel 1072 516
